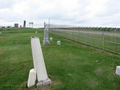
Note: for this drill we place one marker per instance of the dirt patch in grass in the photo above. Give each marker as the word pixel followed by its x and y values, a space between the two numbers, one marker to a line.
pixel 99 71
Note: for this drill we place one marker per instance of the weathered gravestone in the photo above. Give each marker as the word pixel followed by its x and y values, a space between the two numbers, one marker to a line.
pixel 31 78
pixel 117 72
pixel 39 64
pixel 58 43
pixel 51 39
pixel 24 25
pixel 16 26
pixel 46 32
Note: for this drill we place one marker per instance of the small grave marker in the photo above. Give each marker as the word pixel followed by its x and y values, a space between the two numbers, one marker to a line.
pixel 31 78
pixel 51 39
pixel 58 43
pixel 117 70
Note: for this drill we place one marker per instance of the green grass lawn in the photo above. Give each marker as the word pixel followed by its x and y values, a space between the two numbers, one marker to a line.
pixel 70 66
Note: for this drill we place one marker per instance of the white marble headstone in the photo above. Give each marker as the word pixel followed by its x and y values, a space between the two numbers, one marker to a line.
pixel 39 64
pixel 51 39
pixel 117 70
pixel 58 43
pixel 31 78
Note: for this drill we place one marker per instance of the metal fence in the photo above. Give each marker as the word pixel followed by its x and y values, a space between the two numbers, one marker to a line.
pixel 105 38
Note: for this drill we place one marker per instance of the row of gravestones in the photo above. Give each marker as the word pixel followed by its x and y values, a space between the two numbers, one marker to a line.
pixel 2 29
pixel 15 26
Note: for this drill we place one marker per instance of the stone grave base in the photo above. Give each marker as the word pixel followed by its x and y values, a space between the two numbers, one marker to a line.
pixel 43 83
pixel 46 42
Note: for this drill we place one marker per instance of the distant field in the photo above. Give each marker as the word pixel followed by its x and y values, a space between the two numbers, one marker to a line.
pixel 70 66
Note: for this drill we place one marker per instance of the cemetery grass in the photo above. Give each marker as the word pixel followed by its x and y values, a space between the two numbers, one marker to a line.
pixel 70 66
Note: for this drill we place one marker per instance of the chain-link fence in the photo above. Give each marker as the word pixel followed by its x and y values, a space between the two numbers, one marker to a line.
pixel 100 37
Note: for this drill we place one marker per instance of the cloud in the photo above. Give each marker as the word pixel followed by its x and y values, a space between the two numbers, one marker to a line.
pixel 82 12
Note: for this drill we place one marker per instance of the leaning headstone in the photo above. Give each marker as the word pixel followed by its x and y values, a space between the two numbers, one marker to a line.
pixel 117 70
pixel 39 64
pixel 51 39
pixel 24 25
pixel 31 78
pixel 35 31
pixel 58 43
pixel 0 32
pixel 46 32
pixel 16 26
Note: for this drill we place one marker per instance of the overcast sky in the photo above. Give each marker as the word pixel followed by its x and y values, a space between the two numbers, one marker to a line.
pixel 77 12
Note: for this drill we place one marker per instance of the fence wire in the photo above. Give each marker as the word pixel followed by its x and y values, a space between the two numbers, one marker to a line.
pixel 101 37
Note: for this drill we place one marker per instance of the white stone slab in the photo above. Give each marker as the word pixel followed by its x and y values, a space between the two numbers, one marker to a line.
pixel 0 32
pixel 117 70
pixel 58 43
pixel 35 31
pixel 38 60
pixel 51 39
pixel 31 78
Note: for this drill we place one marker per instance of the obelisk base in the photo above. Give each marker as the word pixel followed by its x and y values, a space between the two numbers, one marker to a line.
pixel 46 42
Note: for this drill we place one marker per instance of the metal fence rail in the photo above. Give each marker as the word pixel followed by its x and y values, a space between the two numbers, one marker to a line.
pixel 100 37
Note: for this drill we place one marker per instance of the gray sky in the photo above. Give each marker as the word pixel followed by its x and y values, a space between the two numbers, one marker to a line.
pixel 77 12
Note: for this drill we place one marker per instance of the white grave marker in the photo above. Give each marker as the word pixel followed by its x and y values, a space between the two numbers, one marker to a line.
pixel 117 70
pixel 51 39
pixel 58 43
pixel 31 78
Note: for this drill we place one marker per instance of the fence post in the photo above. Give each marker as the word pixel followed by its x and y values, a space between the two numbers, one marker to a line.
pixel 103 40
